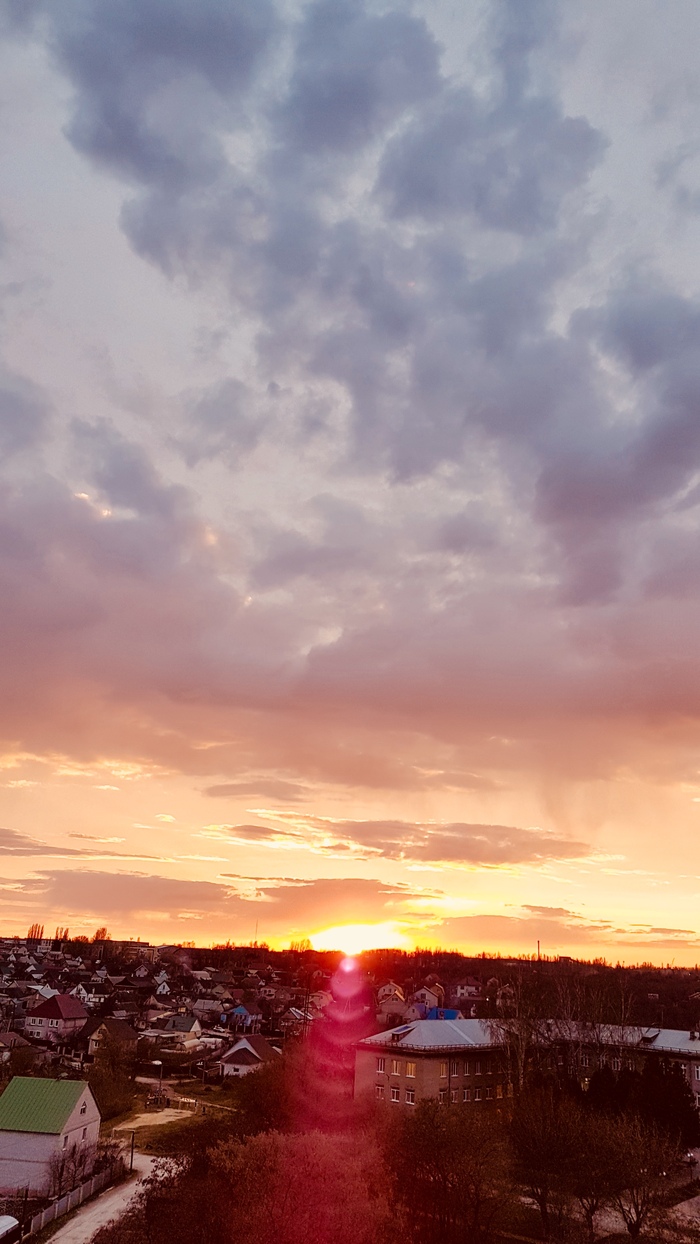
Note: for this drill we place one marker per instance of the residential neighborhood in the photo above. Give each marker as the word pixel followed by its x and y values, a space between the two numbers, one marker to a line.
pixel 98 1031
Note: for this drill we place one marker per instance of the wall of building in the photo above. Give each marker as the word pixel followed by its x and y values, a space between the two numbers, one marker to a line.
pixel 404 1078
pixel 25 1160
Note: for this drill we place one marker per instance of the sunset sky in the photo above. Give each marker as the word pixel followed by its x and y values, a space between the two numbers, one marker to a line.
pixel 350 462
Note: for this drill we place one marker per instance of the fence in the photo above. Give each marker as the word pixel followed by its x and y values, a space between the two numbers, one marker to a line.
pixel 68 1202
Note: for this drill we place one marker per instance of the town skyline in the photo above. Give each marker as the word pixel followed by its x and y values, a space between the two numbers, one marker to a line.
pixel 350 473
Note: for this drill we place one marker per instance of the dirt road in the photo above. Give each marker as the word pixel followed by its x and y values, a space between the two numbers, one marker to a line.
pixel 111 1204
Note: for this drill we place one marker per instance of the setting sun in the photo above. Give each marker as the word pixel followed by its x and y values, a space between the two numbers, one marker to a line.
pixel 354 938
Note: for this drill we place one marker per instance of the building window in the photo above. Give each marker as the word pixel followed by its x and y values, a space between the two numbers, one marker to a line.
pixel 65 1142
pixel 53 1023
pixel 379 1092
pixel 83 1108
pixel 443 1071
pixel 697 1071
pixel 585 1060
pixel 467 1067
pixel 683 1069
pixel 489 1092
pixel 499 1090
pixel 395 1094
pixel 454 1096
pixel 395 1067
pixel 443 1095
pixel 411 1070
pixel 477 1094
pixel 477 1067
pixel 489 1069
pixel 381 1065
pixel 617 1064
pixel 454 1067
pixel 84 1135
pixel 697 1100
pixel 410 1097
pixel 466 1094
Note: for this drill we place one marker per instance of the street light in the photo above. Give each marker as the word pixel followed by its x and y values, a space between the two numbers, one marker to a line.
pixel 157 1063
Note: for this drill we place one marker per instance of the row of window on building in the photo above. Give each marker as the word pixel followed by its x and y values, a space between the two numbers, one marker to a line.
pixel 616 1064
pixel 455 1067
pixel 455 1095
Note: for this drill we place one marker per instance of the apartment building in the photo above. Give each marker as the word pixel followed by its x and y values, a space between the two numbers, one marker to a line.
pixel 454 1060
pixel 464 1061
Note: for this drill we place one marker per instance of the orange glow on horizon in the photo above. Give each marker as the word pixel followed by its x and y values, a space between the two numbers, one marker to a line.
pixel 352 939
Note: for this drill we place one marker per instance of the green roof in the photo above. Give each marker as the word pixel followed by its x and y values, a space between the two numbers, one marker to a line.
pixel 34 1105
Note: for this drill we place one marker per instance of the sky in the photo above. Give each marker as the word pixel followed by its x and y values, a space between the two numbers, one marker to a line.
pixel 350 473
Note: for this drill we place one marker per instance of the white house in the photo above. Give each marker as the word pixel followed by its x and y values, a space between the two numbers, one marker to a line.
pixel 248 1054
pixel 48 1134
pixel 390 990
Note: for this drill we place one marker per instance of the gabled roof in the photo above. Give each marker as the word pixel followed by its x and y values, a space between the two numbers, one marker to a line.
pixel 118 1029
pixel 36 1105
pixel 61 1006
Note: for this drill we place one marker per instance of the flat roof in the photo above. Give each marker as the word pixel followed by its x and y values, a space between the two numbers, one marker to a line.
pixel 436 1034
pixel 454 1034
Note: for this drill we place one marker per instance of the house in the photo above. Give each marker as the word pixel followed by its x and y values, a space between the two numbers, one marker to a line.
pixel 390 990
pixel 468 987
pixel 248 1054
pixel 183 1032
pixel 45 1125
pixel 98 1033
pixel 56 1020
pixel 427 997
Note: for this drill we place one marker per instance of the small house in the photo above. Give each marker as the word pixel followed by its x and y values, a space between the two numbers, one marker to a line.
pixel 48 1134
pixel 248 1054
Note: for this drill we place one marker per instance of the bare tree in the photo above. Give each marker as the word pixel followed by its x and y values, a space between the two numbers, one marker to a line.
pixel 643 1157
pixel 592 1143
pixel 518 1028
pixel 541 1139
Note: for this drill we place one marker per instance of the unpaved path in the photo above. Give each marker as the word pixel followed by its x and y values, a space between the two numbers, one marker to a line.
pixel 152 1118
pixel 110 1204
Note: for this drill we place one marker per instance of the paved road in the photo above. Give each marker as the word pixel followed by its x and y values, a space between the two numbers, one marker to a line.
pixel 111 1204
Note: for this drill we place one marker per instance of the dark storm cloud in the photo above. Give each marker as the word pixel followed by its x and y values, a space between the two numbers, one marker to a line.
pixel 222 424
pixel 23 415
pixel 354 73
pixel 510 167
pixel 128 59
pixel 396 239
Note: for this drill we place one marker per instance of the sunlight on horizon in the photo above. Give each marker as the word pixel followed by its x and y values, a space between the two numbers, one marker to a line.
pixel 354 938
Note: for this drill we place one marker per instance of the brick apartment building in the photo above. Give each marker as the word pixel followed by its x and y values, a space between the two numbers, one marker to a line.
pixel 454 1060
pixel 464 1060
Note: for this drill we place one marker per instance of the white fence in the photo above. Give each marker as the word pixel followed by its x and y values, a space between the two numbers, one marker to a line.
pixel 68 1202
